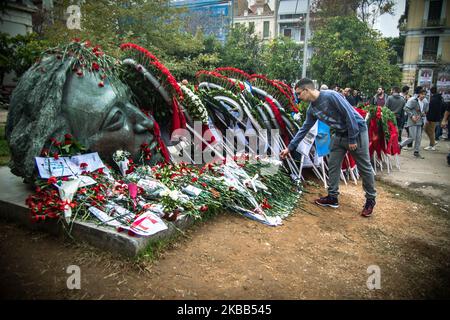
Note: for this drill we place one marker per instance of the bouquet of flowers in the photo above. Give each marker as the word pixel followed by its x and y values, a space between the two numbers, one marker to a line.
pixel 195 106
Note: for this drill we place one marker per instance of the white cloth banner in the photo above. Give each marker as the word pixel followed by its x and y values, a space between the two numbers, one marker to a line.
pixel 307 163
pixel 304 147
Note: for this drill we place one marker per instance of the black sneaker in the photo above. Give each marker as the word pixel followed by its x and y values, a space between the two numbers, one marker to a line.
pixel 328 201
pixel 368 208
pixel 418 155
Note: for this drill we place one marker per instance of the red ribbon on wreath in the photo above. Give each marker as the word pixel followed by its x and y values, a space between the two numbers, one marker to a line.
pixel 205 129
pixel 393 147
pixel 351 162
pixel 277 114
pixel 376 135
pixel 162 145
pixel 178 119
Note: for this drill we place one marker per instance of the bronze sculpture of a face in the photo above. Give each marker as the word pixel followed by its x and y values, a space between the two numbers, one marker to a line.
pixel 104 118
pixel 52 99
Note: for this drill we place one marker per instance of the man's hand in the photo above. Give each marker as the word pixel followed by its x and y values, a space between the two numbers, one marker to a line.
pixel 352 147
pixel 284 153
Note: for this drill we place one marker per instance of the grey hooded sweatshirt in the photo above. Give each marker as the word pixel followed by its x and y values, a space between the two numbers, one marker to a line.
pixel 396 103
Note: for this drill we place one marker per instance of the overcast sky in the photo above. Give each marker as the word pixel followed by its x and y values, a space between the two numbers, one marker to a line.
pixel 387 23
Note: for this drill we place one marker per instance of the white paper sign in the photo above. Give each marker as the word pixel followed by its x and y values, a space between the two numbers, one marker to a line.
pixel 92 160
pixel 104 217
pixel 68 166
pixel 119 212
pixel 146 225
pixel 192 191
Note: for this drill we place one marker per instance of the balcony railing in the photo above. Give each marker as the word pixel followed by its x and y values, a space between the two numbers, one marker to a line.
pixel 429 58
pixel 435 23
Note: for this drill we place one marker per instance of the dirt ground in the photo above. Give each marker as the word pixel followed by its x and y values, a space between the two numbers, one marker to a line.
pixel 317 254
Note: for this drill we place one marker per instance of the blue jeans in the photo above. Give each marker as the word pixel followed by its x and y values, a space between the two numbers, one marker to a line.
pixel 339 147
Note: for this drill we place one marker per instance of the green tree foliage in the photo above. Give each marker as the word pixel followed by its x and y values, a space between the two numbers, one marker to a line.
pixel 282 59
pixel 148 23
pixel 350 53
pixel 366 10
pixel 18 53
pixel 397 44
pixel 242 49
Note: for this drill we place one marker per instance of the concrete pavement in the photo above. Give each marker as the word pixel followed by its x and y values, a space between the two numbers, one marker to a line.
pixel 429 176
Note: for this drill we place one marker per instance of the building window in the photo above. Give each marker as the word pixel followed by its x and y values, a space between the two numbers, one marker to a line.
pixel 430 48
pixel 302 34
pixel 251 26
pixel 266 29
pixel 434 13
pixel 290 16
pixel 287 32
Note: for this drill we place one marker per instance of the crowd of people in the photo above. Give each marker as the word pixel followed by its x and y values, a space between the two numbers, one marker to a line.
pixel 425 110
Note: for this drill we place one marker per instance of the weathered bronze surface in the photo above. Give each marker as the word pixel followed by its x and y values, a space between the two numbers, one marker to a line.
pixel 52 100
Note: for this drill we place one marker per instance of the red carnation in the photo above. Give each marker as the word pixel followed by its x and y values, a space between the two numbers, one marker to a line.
pixel 95 66
pixel 56 155
pixel 203 208
pixel 101 84
pixel 83 165
pixel 51 180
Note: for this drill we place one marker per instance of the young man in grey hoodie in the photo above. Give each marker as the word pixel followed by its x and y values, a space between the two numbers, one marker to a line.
pixel 350 135
pixel 396 103
pixel 416 109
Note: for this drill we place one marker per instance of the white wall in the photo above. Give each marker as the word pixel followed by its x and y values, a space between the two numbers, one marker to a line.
pixel 259 24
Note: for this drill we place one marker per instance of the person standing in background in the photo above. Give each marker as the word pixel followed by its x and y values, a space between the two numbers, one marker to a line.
pixel 380 98
pixel 357 97
pixel 433 117
pixel 349 97
pixel 396 103
pixel 416 109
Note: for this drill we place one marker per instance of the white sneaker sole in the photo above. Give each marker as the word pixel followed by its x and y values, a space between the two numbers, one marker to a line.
pixel 335 206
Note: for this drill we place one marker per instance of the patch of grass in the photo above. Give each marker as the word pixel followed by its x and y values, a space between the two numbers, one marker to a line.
pixel 4 149
pixel 156 248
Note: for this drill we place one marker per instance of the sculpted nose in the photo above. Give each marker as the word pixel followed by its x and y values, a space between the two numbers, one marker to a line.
pixel 141 123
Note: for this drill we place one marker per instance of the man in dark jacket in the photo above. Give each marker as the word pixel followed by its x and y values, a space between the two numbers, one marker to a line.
pixel 349 97
pixel 396 103
pixel 433 116
pixel 380 98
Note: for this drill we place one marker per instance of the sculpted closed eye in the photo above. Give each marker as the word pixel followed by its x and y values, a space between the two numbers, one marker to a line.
pixel 114 121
